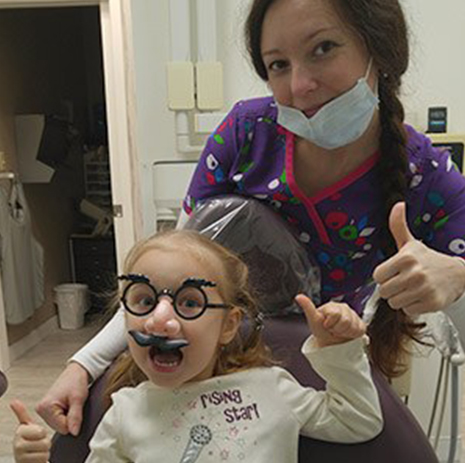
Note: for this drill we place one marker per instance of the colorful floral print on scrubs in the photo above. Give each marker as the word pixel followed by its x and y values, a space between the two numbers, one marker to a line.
pixel 251 155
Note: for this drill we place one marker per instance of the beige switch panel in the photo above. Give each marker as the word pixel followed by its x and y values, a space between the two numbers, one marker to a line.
pixel 209 78
pixel 181 85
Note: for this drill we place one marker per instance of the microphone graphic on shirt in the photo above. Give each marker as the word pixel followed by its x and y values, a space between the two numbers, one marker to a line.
pixel 200 436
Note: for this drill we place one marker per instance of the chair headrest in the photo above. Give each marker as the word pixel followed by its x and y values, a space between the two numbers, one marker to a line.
pixel 279 265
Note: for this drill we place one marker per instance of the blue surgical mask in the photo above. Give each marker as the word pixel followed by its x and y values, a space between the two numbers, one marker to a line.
pixel 338 123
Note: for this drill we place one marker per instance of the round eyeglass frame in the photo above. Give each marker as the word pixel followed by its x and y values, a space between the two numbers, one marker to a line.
pixel 172 296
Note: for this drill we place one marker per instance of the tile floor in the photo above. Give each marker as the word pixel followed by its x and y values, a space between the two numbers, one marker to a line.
pixel 31 375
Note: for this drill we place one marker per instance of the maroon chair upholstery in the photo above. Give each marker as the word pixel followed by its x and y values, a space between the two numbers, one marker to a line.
pixel 3 383
pixel 401 441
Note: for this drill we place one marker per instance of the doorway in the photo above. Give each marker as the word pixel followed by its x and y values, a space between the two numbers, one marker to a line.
pixel 59 61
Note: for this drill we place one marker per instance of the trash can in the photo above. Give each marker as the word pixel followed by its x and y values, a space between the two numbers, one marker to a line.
pixel 72 300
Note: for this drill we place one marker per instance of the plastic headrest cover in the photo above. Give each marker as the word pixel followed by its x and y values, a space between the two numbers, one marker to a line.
pixel 279 265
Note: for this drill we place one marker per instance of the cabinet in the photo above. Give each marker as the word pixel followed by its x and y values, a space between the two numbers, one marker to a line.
pixel 93 262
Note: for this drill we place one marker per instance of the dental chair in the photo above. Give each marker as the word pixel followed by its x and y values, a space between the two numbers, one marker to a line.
pixel 280 268
pixel 3 383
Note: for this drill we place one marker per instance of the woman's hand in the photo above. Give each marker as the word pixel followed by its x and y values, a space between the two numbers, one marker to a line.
pixel 31 443
pixel 417 279
pixel 61 408
pixel 331 323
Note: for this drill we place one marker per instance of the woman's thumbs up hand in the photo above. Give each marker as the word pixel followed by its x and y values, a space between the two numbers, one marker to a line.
pixel 399 226
pixel 331 323
pixel 417 279
pixel 31 443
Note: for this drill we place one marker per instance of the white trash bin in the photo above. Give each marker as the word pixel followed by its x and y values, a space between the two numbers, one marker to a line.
pixel 72 300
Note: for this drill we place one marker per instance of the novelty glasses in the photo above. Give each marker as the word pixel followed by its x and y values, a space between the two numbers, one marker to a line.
pixel 189 301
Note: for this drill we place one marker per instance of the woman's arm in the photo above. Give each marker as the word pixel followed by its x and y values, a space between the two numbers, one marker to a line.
pixel 97 355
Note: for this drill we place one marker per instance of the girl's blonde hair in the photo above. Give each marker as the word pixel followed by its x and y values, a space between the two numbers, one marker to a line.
pixel 247 349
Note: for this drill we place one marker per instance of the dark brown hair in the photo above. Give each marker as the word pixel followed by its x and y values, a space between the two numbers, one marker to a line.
pixel 247 349
pixel 381 25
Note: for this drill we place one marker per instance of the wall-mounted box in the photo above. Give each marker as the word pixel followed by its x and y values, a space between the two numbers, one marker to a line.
pixel 181 87
pixel 209 79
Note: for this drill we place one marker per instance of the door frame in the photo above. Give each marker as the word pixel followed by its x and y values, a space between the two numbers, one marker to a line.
pixel 117 51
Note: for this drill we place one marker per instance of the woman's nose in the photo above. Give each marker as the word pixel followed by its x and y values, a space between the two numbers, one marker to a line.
pixel 163 320
pixel 303 81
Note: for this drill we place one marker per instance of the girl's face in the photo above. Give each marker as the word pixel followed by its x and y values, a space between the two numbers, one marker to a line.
pixel 310 54
pixel 206 335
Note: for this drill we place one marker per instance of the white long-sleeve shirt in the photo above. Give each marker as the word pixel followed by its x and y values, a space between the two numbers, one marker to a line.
pixel 254 416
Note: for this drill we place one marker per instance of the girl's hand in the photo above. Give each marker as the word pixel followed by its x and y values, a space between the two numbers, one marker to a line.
pixel 331 323
pixel 417 279
pixel 30 444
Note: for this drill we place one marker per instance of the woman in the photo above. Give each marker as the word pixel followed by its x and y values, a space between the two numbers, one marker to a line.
pixel 331 153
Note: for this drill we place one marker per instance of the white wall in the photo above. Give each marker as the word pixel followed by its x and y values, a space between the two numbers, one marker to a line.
pixel 240 80
pixel 437 70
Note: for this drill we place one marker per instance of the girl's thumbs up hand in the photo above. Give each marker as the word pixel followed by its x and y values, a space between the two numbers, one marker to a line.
pixel 331 323
pixel 31 443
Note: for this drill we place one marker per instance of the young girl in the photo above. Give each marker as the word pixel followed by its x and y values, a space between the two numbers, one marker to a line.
pixel 207 389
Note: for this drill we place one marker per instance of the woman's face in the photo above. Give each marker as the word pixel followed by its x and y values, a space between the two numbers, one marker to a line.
pixel 216 327
pixel 310 54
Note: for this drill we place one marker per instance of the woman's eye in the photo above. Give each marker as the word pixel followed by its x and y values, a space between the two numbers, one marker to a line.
pixel 276 66
pixel 325 47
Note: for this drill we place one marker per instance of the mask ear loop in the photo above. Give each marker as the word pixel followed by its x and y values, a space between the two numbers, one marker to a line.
pixel 367 74
pixel 370 63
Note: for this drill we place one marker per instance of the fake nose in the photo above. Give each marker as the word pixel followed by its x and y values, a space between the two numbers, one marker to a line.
pixel 163 321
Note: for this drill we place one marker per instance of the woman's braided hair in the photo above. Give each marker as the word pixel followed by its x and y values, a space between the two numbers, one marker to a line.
pixel 381 25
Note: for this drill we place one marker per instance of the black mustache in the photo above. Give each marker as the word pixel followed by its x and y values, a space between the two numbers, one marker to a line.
pixel 160 342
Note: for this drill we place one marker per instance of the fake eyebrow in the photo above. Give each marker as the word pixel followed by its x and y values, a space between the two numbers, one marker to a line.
pixel 198 282
pixel 135 277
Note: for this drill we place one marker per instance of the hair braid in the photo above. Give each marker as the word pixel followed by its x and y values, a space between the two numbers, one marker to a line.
pixel 391 329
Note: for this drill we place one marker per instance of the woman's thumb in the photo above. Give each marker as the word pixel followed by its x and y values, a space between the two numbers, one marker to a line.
pixel 398 225
pixel 19 409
